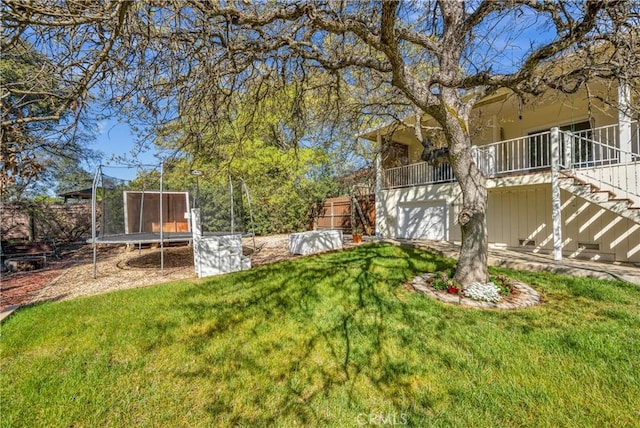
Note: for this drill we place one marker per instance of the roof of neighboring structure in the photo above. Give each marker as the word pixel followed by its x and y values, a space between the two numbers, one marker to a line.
pixel 77 194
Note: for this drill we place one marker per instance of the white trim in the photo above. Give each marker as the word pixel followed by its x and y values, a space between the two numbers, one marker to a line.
pixel 379 186
pixel 548 126
pixel 556 205
pixel 624 120
pixel 495 129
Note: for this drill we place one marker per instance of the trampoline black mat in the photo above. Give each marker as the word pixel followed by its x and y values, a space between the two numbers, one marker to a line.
pixel 150 237
pixel 142 238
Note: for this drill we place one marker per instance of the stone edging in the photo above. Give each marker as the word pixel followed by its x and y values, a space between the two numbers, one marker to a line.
pixel 527 296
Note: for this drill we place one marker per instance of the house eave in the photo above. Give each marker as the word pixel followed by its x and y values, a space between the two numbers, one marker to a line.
pixel 371 133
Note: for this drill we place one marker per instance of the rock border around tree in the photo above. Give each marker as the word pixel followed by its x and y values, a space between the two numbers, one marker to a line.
pixel 523 297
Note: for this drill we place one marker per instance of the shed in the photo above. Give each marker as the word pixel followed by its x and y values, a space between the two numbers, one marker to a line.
pixel 82 194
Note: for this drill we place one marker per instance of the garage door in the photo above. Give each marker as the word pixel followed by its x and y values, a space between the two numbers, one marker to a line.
pixel 426 220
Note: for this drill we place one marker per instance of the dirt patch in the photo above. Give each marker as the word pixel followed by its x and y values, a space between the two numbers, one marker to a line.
pixel 19 288
pixel 174 257
pixel 269 249
pixel 118 268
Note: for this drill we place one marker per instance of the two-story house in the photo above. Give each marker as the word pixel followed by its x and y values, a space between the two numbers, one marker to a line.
pixel 581 151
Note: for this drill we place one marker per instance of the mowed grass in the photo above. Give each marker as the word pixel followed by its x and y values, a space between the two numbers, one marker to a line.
pixel 332 340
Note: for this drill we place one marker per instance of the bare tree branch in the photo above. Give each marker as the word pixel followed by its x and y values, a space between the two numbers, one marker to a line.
pixel 184 64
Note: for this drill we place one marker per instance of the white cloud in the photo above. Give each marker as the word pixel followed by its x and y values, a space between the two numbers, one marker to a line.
pixel 101 127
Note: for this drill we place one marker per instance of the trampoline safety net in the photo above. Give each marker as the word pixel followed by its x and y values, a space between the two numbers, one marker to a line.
pixel 129 209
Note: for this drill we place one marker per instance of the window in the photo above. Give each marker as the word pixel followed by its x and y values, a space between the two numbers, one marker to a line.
pixel 540 145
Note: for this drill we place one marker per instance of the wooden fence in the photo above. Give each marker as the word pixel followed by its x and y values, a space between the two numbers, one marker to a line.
pixel 336 214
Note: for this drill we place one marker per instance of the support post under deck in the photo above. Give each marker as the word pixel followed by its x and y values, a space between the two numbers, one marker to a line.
pixel 556 206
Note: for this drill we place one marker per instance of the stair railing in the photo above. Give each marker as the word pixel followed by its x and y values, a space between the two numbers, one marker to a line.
pixel 604 165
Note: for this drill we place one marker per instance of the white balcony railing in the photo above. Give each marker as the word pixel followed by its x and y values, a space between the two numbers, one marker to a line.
pixel 580 151
pixel 417 174
pixel 523 154
pixel 605 166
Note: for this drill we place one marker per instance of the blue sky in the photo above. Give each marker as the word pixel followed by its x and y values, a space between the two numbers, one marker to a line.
pixel 115 139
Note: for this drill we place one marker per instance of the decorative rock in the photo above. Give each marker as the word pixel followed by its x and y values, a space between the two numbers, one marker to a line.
pixel 483 292
pixel 526 296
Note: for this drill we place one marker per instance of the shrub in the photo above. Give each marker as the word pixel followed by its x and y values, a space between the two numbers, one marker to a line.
pixel 443 281
pixel 503 283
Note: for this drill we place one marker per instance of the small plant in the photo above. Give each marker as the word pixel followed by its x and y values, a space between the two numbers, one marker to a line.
pixel 452 289
pixel 443 281
pixel 440 281
pixel 356 235
pixel 503 283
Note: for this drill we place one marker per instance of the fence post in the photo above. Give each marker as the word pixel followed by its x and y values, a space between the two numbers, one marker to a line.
pixel 196 234
pixel 94 216
pixel 556 209
pixel 332 214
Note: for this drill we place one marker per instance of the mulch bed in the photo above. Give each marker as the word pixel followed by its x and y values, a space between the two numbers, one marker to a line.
pixel 174 257
pixel 19 288
pixel 118 268
pixel 521 296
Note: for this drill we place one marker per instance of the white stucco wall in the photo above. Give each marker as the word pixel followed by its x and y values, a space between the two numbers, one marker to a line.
pixel 524 213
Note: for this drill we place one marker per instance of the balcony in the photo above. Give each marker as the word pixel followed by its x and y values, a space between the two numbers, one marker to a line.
pixel 594 153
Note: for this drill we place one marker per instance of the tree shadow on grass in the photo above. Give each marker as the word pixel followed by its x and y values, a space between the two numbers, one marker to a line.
pixel 306 332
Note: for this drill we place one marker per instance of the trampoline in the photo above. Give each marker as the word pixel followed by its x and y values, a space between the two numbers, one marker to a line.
pixel 142 238
pixel 153 238
pixel 140 210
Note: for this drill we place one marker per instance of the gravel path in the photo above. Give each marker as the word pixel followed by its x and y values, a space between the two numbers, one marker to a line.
pixel 118 268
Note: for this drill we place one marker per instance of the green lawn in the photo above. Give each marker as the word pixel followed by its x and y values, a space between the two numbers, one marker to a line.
pixel 333 340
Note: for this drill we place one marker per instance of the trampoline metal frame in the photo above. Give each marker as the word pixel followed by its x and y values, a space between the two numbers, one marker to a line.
pixel 151 237
pixel 116 238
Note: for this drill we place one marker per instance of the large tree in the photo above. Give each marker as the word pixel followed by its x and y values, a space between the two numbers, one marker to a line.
pixel 263 146
pixel 162 60
pixel 39 135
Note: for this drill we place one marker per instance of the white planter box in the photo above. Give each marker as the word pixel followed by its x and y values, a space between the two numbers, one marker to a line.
pixel 211 257
pixel 315 241
pixel 217 254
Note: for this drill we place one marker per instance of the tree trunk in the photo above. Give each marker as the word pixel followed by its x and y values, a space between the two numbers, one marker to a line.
pixel 472 263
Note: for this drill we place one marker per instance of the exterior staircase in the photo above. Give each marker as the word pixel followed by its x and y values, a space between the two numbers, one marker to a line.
pixel 606 199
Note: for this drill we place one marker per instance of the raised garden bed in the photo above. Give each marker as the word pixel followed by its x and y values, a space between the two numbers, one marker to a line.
pixel 25 256
pixel 25 263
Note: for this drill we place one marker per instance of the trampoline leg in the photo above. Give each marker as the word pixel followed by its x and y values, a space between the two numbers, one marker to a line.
pixel 162 258
pixel 95 270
